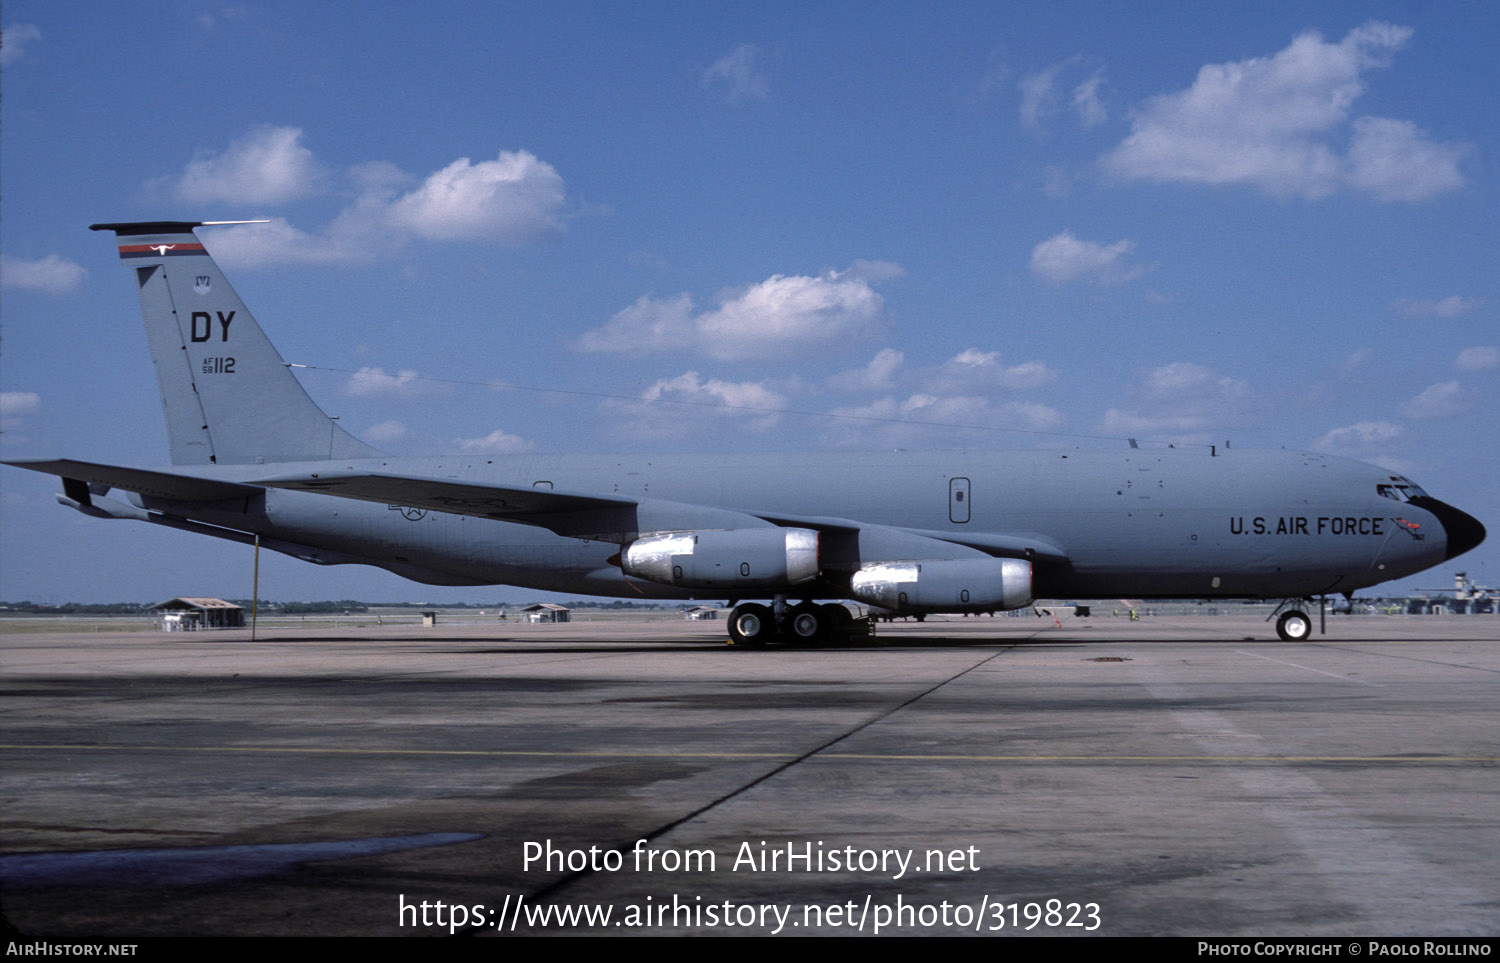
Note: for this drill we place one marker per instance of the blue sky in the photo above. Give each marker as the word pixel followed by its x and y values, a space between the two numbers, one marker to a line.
pixel 834 226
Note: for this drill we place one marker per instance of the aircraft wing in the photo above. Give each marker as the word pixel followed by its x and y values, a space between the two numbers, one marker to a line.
pixel 608 518
pixel 155 484
pixel 622 518
pixel 479 499
pixel 1030 547
pixel 566 513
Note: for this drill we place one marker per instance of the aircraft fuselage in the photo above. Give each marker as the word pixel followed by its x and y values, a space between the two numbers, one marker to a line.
pixel 1174 522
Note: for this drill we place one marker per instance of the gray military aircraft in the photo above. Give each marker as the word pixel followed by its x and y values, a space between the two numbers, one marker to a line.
pixel 908 532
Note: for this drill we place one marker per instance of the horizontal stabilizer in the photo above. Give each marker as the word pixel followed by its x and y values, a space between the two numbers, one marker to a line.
pixel 154 484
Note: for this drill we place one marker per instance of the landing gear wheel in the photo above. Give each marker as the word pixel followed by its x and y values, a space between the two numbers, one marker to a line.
pixel 836 623
pixel 806 623
pixel 1294 626
pixel 751 625
pixel 836 617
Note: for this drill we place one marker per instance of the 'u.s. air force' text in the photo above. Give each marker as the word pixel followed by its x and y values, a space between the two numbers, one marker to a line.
pixel 1302 525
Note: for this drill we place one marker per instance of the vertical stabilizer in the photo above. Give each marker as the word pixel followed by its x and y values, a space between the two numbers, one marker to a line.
pixel 228 395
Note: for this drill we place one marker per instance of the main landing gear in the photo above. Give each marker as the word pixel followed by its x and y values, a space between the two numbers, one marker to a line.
pixel 752 624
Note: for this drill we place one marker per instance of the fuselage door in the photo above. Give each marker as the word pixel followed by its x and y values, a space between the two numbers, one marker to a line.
pixel 958 500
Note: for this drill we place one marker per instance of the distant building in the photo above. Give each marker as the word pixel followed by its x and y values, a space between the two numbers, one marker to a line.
pixel 701 613
pixel 1469 598
pixel 545 612
pixel 191 614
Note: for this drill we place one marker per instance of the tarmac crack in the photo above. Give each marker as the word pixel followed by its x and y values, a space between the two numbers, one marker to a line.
pixel 563 882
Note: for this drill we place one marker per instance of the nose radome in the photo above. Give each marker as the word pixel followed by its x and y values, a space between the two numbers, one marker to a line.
pixel 1464 530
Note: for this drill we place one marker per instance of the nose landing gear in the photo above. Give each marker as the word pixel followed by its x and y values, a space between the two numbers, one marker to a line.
pixel 1294 626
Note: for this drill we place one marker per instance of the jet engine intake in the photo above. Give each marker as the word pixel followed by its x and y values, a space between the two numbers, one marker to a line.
pixel 737 559
pixel 949 585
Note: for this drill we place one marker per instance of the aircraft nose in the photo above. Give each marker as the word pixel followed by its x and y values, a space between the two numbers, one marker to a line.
pixel 1464 530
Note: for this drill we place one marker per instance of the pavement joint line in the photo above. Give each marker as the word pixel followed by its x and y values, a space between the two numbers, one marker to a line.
pixel 1308 668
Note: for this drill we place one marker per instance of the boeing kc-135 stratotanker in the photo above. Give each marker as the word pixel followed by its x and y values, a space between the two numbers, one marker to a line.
pixel 909 532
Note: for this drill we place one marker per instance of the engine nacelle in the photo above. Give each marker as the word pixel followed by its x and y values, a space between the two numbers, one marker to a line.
pixel 736 560
pixel 950 585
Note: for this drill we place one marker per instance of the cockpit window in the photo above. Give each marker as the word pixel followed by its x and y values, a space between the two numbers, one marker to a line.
pixel 1400 490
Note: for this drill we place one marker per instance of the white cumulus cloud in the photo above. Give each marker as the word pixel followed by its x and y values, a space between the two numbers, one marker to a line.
pixel 1361 440
pixel 738 74
pixel 497 442
pixel 1040 98
pixel 277 242
pixel 689 404
pixel 1275 124
pixel 1478 358
pixel 1086 102
pixel 649 325
pixel 741 397
pixel 513 199
pixel 16 406
pixel 269 165
pixel 782 313
pixel 972 370
pixel 786 311
pixel 47 275
pixel 924 420
pixel 875 376
pixel 1064 257
pixel 1450 307
pixel 1182 401
pixel 510 199
pixel 1393 160
pixel 375 382
pixel 385 432
pixel 1442 400
pixel 14 41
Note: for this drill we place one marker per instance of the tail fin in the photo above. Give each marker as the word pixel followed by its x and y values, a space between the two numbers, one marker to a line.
pixel 229 397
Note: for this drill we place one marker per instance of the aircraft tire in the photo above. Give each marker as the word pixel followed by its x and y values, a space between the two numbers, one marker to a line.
pixel 751 625
pixel 837 617
pixel 806 624
pixel 837 623
pixel 1294 626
